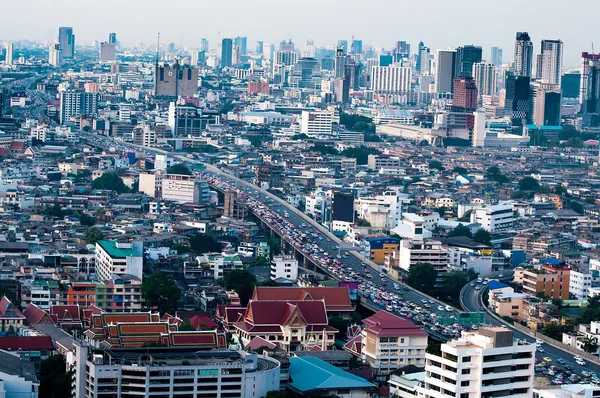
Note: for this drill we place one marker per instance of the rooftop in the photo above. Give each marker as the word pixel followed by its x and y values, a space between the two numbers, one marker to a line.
pixel 116 251
pixel 310 374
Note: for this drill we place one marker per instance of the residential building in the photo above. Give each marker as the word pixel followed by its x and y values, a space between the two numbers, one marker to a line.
pixel 464 98
pixel 552 56
pixel 546 104
pixel 182 188
pixel 381 246
pixel 219 373
pixel 108 52
pixel 494 218
pixel 77 103
pixel 316 123
pixel 523 55
pixel 485 77
pixel 589 87
pixel 175 81
pixel 377 162
pixel 552 280
pixel 496 56
pixel 8 55
pixel 284 267
pixel 466 57
pixel 445 64
pixel 579 284
pixel 393 79
pixel 54 55
pixel 17 376
pixel 504 301
pixel 118 258
pixel 432 252
pixel 485 363
pixel 382 211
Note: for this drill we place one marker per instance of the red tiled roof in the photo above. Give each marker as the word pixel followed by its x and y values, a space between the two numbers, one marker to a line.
pixel 8 309
pixel 17 145
pixel 258 342
pixel 336 298
pixel 65 313
pixel 389 325
pixel 35 314
pixel 28 343
pixel 354 346
pixel 203 322
pixel 279 312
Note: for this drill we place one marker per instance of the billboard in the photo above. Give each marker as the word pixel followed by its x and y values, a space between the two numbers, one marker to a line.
pixel 352 289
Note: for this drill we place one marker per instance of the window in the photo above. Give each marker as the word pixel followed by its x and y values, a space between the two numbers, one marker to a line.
pixel 465 383
pixel 466 371
pixel 466 359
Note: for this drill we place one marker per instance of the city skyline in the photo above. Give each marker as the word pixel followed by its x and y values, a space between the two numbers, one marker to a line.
pixel 308 24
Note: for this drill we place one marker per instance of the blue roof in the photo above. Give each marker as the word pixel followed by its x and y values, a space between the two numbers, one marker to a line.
pixel 496 285
pixel 552 261
pixel 310 373
pixel 543 127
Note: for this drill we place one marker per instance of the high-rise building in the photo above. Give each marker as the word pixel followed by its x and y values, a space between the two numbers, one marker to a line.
pixel 466 56
pixel 194 57
pixel 340 63
pixel 485 78
pixel 517 102
pixel 283 61
pixel 357 47
pixel 306 74
pixel 523 55
pixel 8 56
pixel 204 44
pixel 108 52
pixel 316 123
pixel 77 103
pixel 260 45
pixel 403 48
pixel 569 84
pixel 552 55
pixel 464 95
pixel 423 60
pixel 54 55
pixel 268 51
pixel 486 363
pixel 496 56
pixel 546 104
pixel 343 44
pixel 445 63
pixel 537 70
pixel 66 39
pixel 589 87
pixel 394 79
pixel 242 43
pixel 112 38
pixel 226 53
pixel 342 207
pixel 175 81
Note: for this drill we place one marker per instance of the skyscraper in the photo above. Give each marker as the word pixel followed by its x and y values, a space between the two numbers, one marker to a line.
pixel 204 44
pixel 546 104
pixel 66 39
pixel 589 88
pixel 77 103
pixel 393 79
pixel 108 52
pixel 422 66
pixel 340 63
pixel 517 103
pixel 8 59
pixel 226 53
pixel 537 70
pixel 466 56
pixel 343 44
pixel 242 43
pixel 260 45
pixel 523 55
pixel 445 62
pixel 357 47
pixel 496 56
pixel 484 75
pixel 54 55
pixel 464 96
pixel 112 38
pixel 552 55
pixel 403 48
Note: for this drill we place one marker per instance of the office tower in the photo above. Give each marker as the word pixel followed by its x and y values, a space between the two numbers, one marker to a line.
pixel 342 208
pixel 269 51
pixel 589 87
pixel 341 90
pixel 488 362
pixel 66 39
pixel 484 75
pixel 353 72
pixel 309 49
pixel 283 61
pixel 286 46
pixel 496 56
pixel 464 96
pixel 445 64
pixel 466 56
pixel 175 81
pixel 393 79
pixel 569 84
pixel 422 66
pixel 517 102
pixel 386 60
pixel 357 47
pixel 108 52
pixel 204 44
pixel 523 55
pixel 77 103
pixel 260 45
pixel 226 53
pixel 54 55
pixel 195 57
pixel 340 63
pixel 242 43
pixel 112 38
pixel 403 48
pixel 546 104
pixel 537 70
pixel 306 74
pixel 343 44
pixel 552 55
pixel 8 58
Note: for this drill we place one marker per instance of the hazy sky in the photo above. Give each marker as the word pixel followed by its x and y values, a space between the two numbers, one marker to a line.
pixel 438 23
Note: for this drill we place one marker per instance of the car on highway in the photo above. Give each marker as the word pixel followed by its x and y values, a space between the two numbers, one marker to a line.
pixel 547 360
pixel 471 284
pixel 440 308
pixel 476 287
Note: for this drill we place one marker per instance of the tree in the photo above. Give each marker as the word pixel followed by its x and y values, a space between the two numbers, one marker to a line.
pixel 54 211
pixel 85 219
pixel 242 282
pixel 494 174
pixel 180 248
pixel 179 168
pixel 529 184
pixel 471 274
pixel 55 380
pixel 422 277
pixel 160 292
pixel 553 331
pixel 482 236
pixel 574 142
pixel 460 170
pixel 460 230
pixel 437 165
pixel 324 149
pixel 361 222
pixel 340 324
pixel 301 136
pixel 186 326
pixel 261 261
pixel 361 153
pixel 93 235
pixel 111 182
pixel 590 345
pixel 202 243
pixel 454 282
pixel 372 138
pixel 441 211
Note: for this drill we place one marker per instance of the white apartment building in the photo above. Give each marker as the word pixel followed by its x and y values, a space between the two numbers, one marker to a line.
pixel 579 284
pixel 184 189
pixel 432 252
pixel 485 78
pixel 393 79
pixel 382 211
pixel 494 218
pixel 117 258
pixel 416 226
pixel 284 267
pixel 316 206
pixel 315 123
pixel 161 162
pixel 483 364
pixel 567 391
pixel 377 162
pixel 76 103
pixel 54 55
pixel 175 372
pixel 151 183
